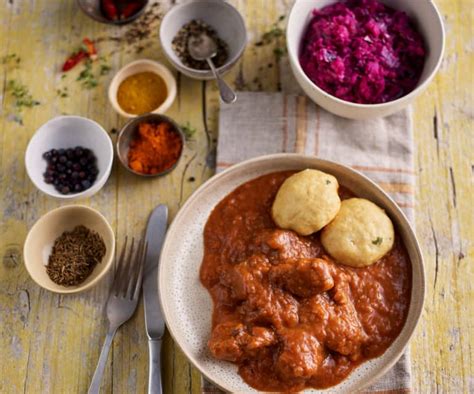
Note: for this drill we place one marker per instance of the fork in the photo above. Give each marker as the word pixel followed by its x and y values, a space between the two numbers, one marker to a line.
pixel 122 301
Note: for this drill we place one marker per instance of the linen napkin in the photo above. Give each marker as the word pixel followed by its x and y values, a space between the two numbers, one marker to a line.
pixel 261 123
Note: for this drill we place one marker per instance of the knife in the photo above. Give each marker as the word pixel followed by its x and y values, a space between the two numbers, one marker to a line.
pixel 155 324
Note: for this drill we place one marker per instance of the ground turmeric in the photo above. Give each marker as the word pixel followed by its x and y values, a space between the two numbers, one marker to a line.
pixel 155 148
pixel 141 93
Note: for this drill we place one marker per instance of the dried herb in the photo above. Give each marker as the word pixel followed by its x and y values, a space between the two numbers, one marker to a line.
pixel 22 99
pixel 188 131
pixel 104 69
pixel 87 77
pixel 22 96
pixel 63 92
pixel 274 36
pixel 12 59
pixel 74 256
pixel 377 241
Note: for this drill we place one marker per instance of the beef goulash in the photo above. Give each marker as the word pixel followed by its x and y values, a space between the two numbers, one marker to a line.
pixel 285 312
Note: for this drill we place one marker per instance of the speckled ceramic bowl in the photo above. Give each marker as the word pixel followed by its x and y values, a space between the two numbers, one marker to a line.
pixel 187 305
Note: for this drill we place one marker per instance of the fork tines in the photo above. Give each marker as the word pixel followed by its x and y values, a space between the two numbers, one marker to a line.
pixel 129 272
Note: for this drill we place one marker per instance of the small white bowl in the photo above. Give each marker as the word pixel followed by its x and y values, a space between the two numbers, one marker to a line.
pixel 138 66
pixel 49 227
pixel 430 24
pixel 65 132
pixel 221 16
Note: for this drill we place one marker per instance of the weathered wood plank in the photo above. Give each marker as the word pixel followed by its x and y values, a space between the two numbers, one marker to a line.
pixel 51 343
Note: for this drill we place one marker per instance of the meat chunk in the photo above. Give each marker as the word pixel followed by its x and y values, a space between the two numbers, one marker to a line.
pixel 246 277
pixel 303 277
pixel 231 341
pixel 301 355
pixel 259 302
pixel 270 307
pixel 280 244
pixel 344 331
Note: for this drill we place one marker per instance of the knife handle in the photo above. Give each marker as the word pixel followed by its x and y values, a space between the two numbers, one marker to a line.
pixel 154 375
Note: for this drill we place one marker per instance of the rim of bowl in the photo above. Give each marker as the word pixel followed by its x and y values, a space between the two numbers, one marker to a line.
pixel 138 119
pixel 103 178
pixel 294 58
pixel 405 222
pixel 107 264
pixel 229 62
pixel 102 19
pixel 160 69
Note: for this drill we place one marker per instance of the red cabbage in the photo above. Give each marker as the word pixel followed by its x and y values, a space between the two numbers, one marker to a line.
pixel 363 51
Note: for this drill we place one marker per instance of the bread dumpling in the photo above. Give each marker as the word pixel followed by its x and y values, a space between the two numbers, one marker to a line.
pixel 360 234
pixel 306 202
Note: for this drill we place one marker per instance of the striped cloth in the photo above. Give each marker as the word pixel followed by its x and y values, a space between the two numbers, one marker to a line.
pixel 261 123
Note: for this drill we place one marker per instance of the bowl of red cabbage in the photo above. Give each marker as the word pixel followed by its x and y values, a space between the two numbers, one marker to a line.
pixel 364 58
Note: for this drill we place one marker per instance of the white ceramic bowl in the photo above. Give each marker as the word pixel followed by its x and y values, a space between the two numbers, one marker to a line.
pixel 187 306
pixel 67 132
pixel 49 227
pixel 223 17
pixel 138 66
pixel 430 24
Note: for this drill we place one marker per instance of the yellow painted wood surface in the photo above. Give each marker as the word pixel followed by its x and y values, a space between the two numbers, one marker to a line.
pixel 51 343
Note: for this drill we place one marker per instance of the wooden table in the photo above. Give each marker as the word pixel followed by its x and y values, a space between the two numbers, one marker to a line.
pixel 51 343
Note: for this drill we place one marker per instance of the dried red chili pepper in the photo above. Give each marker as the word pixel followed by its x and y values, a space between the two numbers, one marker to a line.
pixel 73 60
pixel 110 9
pixel 87 50
pixel 131 8
pixel 90 47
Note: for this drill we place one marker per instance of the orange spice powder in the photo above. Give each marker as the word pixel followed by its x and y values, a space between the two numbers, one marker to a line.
pixel 155 148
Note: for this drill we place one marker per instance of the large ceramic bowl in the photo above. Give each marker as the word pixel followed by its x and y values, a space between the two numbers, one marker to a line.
pixel 187 305
pixel 218 14
pixel 430 24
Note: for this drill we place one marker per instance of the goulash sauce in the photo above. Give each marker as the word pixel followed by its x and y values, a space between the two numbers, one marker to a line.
pixel 284 311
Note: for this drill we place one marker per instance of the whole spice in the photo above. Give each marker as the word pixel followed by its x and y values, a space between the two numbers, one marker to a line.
pixel 120 9
pixel 74 256
pixel 71 170
pixel 195 28
pixel 140 34
pixel 141 93
pixel 86 50
pixel 155 148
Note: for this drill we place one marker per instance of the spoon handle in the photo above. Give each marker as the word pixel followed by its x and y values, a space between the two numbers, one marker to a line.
pixel 227 94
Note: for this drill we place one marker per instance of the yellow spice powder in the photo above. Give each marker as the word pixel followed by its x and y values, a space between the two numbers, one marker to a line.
pixel 141 93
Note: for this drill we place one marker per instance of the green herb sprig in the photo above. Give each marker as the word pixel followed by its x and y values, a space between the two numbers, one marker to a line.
pixel 22 98
pixel 275 35
pixel 188 131
pixel 87 77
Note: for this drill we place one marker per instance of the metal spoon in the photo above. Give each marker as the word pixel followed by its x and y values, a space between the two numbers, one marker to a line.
pixel 203 47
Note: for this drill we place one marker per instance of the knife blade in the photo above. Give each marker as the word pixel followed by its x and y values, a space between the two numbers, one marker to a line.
pixel 154 322
pixel 155 234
